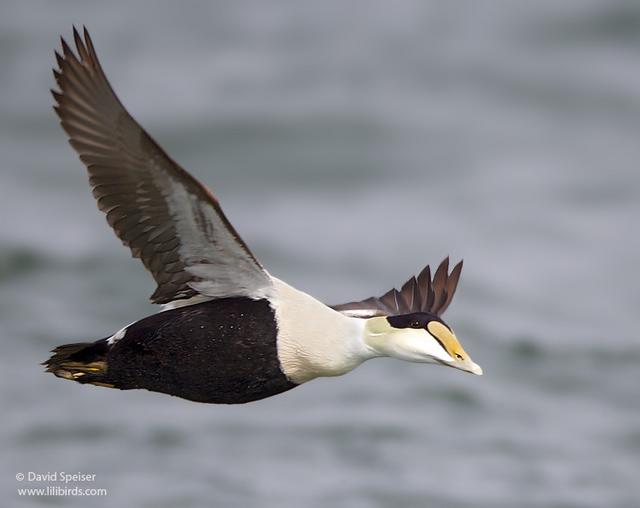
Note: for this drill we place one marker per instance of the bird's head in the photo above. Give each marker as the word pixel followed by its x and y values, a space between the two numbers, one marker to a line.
pixel 418 337
pixel 407 323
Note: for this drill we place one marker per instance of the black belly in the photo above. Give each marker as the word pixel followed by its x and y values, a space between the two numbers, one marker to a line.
pixel 222 351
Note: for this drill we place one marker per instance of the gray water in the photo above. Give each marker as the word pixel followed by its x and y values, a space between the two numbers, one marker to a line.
pixel 350 143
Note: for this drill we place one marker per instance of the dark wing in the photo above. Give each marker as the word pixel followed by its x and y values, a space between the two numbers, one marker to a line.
pixel 421 294
pixel 165 216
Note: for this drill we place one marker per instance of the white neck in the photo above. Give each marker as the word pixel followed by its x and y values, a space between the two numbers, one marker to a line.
pixel 315 340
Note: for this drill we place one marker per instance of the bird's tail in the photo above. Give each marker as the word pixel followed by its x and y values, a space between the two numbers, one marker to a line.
pixel 84 362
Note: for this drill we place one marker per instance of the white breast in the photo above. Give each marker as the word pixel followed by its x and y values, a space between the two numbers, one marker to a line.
pixel 314 340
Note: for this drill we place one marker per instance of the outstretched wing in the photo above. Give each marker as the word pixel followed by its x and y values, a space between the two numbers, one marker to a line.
pixel 421 294
pixel 165 216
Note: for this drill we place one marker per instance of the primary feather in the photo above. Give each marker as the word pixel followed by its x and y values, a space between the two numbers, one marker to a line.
pixel 421 294
pixel 165 216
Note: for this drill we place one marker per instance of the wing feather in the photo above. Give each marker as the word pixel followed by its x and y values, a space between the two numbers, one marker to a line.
pixel 421 294
pixel 165 216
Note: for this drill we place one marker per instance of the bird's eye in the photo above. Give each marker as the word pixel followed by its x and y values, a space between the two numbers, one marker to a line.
pixel 416 324
pixel 459 356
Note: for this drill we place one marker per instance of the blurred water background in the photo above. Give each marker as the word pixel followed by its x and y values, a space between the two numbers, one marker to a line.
pixel 350 143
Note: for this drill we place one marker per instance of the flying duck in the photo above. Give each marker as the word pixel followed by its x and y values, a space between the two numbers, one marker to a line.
pixel 229 332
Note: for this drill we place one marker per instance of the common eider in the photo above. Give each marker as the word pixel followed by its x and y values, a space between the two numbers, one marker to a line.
pixel 229 332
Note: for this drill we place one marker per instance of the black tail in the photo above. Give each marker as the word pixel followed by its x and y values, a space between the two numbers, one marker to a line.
pixel 84 362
